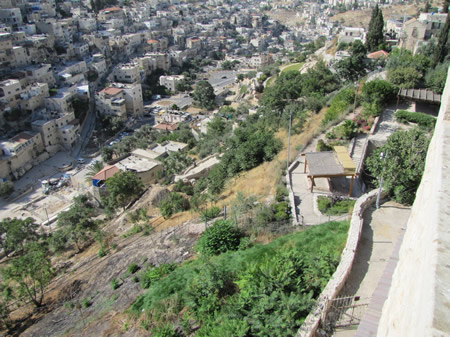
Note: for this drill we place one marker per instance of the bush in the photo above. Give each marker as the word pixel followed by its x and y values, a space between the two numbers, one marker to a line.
pixel 152 274
pixel 165 330
pixel 6 189
pixel 132 268
pixel 420 118
pixel 210 213
pixel 322 146
pixel 219 238
pixel 183 187
pixel 173 203
pixel 115 284
pixel 282 193
pixel 282 211
pixel 86 302
pixel 335 205
pixel 338 105
pixel 345 131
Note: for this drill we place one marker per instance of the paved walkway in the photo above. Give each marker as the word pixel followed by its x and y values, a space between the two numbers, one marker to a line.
pixel 375 261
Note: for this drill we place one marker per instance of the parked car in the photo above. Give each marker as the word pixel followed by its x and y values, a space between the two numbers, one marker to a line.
pixel 81 161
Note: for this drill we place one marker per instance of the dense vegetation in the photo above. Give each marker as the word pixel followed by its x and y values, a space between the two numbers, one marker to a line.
pixel 421 119
pixel 401 162
pixel 265 290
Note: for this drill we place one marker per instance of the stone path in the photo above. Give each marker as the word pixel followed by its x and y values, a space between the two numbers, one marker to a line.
pixel 375 260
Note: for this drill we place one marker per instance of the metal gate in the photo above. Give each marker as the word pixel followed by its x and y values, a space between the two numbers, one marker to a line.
pixel 344 312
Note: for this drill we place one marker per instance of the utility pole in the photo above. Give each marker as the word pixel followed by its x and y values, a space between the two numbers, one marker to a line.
pixel 382 157
pixel 289 141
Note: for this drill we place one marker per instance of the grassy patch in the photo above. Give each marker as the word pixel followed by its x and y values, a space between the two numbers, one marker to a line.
pixel 330 206
pixel 294 66
pixel 291 269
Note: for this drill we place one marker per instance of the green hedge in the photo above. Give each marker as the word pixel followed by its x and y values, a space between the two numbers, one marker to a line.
pixel 419 118
pixel 339 105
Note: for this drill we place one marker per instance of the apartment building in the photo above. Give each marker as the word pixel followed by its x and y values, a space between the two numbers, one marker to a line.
pixel 10 92
pixel 57 128
pixel 18 154
pixel 62 100
pixel 127 73
pixel 170 82
pixel 111 102
pixel 33 97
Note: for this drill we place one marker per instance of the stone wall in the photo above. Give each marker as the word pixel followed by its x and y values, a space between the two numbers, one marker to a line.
pixel 419 298
pixel 343 270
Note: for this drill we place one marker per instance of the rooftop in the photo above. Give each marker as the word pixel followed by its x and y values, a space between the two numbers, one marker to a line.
pixel 111 91
pixel 137 164
pixel 106 172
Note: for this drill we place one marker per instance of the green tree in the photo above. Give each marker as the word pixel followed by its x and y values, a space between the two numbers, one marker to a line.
pixel 407 77
pixel 379 91
pixel 75 225
pixel 204 95
pixel 32 272
pixel 352 68
pixel 443 48
pixel 375 36
pixel 402 163
pixel 436 77
pixel 15 233
pixel 93 170
pixel 6 189
pixel 122 188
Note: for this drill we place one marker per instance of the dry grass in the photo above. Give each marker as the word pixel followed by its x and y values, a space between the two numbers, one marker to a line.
pixel 262 180
pixel 361 18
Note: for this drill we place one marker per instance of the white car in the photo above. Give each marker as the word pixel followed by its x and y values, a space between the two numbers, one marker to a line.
pixel 81 161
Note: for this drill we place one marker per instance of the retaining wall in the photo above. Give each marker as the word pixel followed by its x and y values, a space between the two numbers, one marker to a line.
pixel 343 270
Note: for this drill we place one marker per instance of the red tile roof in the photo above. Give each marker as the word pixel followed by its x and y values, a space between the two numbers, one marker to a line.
pixel 166 127
pixel 111 91
pixel 106 172
pixel 112 9
pixel 378 54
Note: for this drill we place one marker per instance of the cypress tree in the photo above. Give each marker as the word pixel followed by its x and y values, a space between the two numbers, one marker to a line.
pixel 375 35
pixel 442 49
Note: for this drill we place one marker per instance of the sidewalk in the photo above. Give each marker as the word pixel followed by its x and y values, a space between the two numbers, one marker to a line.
pixel 382 232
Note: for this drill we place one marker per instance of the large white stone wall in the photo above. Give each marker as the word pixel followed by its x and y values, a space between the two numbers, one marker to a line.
pixel 419 298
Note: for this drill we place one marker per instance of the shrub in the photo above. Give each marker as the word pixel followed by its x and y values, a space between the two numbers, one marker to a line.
pixel 165 330
pixel 210 213
pixel 132 268
pixel 345 131
pixel 115 284
pixel 153 274
pixel 282 211
pixel 173 203
pixel 86 302
pixel 338 105
pixel 102 252
pixel 420 118
pixel 322 146
pixel 335 205
pixel 6 189
pixel 219 238
pixel 282 193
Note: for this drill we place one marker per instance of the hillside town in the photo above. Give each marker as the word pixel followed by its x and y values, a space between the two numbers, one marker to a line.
pixel 134 131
